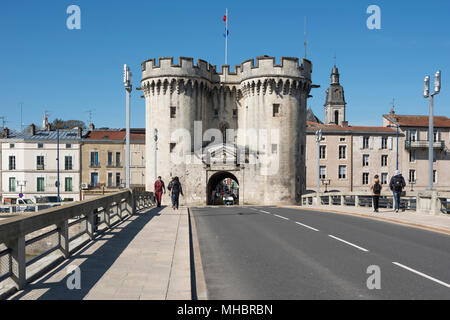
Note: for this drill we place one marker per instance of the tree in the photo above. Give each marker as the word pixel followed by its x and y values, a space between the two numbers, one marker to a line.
pixel 69 124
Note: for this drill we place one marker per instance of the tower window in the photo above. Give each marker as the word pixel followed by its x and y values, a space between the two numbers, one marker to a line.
pixel 172 146
pixel 173 112
pixel 336 117
pixel 276 110
pixel 235 113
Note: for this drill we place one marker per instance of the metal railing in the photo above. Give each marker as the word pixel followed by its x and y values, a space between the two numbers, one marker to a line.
pixel 430 202
pixel 32 244
pixel 423 144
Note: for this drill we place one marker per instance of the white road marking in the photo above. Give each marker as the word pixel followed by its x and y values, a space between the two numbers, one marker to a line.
pixel 422 274
pixel 281 217
pixel 264 211
pixel 349 243
pixel 306 226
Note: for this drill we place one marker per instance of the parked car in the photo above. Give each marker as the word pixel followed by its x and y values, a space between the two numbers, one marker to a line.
pixel 228 200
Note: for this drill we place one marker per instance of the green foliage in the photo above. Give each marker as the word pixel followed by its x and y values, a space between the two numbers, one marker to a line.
pixel 69 124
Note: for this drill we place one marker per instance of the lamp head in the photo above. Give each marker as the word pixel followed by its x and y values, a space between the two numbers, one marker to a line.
pixel 437 82
pixel 426 89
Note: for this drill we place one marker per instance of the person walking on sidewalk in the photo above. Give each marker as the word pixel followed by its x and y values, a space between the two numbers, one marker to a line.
pixel 176 189
pixel 376 191
pixel 159 189
pixel 396 185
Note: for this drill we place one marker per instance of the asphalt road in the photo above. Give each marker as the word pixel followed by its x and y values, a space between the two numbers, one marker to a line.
pixel 269 253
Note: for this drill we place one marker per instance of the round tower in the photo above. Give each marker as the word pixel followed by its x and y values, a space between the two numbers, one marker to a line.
pixel 274 108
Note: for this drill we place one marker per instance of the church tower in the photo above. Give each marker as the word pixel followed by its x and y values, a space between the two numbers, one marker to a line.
pixel 335 101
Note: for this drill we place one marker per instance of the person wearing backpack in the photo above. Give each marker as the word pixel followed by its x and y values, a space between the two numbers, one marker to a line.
pixel 175 189
pixel 396 185
pixel 376 191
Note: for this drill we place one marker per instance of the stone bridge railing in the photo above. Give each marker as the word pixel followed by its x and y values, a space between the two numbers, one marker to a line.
pixel 32 244
pixel 430 202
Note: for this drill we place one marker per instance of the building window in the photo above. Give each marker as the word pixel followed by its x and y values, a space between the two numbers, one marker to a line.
pixel 68 146
pixel 434 176
pixel 118 179
pixel 94 159
pixel 365 178
pixel 342 172
pixel 323 152
pixel 412 156
pixel 274 148
pixel 172 146
pixel 235 113
pixel 110 179
pixel 365 143
pixel 342 152
pixel 413 135
pixel 40 185
pixel 276 110
pixel 68 163
pixel 68 185
pixel 323 172
pixel 365 160
pixel 40 145
pixel 117 159
pixel 40 163
pixel 412 176
pixel 216 113
pixel 110 158
pixel 384 178
pixel 435 136
pixel 173 112
pixel 94 179
pixel 12 145
pixel 342 139
pixel 434 156
pixel 12 184
pixel 12 162
pixel 384 160
pixel 384 142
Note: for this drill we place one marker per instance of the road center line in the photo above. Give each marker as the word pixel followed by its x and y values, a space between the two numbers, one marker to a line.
pixel 349 243
pixel 264 211
pixel 281 217
pixel 306 226
pixel 422 274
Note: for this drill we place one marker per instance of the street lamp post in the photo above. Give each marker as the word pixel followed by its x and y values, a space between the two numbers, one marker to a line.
pixel 318 140
pixel 21 184
pixel 128 87
pixel 427 94
pixel 155 136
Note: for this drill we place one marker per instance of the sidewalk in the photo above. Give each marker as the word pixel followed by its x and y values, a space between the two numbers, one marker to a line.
pixel 145 257
pixel 439 223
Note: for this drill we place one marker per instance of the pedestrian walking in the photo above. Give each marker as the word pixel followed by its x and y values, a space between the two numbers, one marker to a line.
pixel 376 191
pixel 159 189
pixel 175 189
pixel 396 185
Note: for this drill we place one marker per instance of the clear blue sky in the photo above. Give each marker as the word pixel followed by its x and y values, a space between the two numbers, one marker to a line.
pixel 49 67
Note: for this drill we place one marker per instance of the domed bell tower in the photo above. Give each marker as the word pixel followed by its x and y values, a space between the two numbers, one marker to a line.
pixel 335 101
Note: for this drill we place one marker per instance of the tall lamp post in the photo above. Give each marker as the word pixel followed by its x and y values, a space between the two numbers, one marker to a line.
pixel 318 140
pixel 128 87
pixel 396 156
pixel 155 136
pixel 427 94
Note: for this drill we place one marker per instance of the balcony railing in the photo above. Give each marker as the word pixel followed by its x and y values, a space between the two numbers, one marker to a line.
pixel 423 144
pixel 40 167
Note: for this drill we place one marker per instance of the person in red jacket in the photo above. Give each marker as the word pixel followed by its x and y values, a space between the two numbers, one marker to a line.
pixel 159 189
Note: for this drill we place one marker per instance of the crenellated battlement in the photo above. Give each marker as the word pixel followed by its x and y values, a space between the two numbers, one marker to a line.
pixel 262 66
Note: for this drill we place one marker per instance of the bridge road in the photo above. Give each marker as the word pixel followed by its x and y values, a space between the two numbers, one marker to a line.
pixel 144 257
pixel 280 253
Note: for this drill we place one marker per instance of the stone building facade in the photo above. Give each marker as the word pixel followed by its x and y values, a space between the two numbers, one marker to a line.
pixel 350 156
pixel 248 125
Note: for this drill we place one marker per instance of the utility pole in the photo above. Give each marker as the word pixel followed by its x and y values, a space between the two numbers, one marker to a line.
pixel 21 116
pixel 57 163
pixel 127 75
pixel 318 140
pixel 427 94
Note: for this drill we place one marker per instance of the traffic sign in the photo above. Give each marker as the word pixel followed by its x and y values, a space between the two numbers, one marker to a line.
pixel 21 195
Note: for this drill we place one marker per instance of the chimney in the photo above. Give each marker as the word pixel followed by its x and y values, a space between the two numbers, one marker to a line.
pixel 32 129
pixel 79 132
pixel 91 127
pixel 5 132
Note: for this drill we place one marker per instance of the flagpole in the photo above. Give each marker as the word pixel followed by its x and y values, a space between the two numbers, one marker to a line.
pixel 226 37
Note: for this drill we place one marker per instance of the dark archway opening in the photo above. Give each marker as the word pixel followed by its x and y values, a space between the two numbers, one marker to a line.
pixel 222 188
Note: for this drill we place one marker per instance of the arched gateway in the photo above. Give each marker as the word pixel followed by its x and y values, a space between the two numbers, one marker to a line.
pixel 214 181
